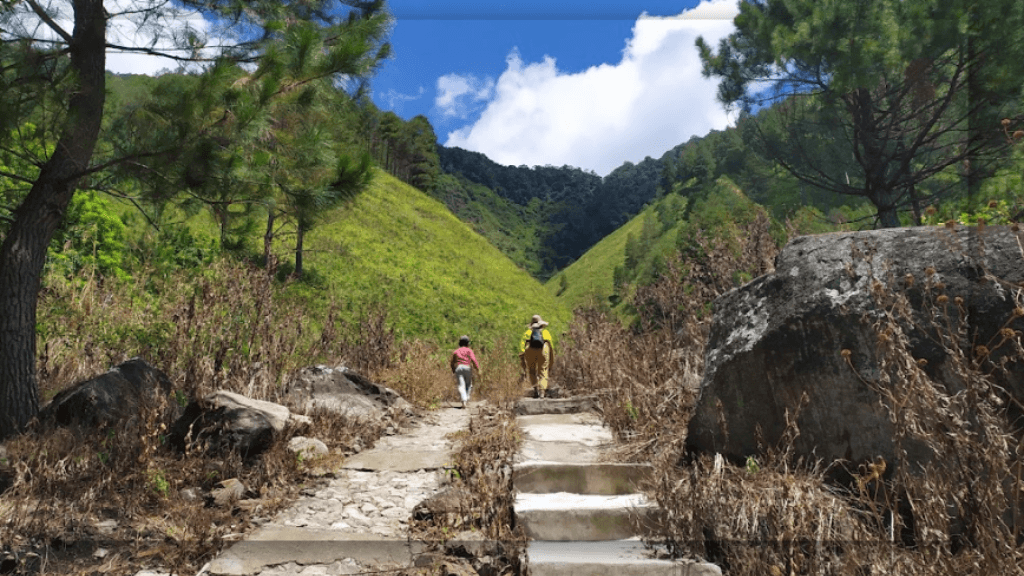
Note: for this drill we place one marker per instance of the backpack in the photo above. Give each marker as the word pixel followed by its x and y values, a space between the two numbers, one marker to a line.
pixel 537 338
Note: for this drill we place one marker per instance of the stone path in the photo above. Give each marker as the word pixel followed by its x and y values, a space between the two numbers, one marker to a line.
pixel 359 520
pixel 582 512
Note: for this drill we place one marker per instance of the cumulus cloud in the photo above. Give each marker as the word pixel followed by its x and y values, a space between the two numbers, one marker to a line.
pixel 458 95
pixel 651 100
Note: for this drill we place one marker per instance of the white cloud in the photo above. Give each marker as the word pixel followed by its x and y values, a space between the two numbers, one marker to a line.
pixel 459 95
pixel 650 101
pixel 395 99
pixel 149 24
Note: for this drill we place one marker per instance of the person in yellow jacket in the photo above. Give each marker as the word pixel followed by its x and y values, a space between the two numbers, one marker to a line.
pixel 537 354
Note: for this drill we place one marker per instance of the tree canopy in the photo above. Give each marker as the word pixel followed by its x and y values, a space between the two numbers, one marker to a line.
pixel 240 56
pixel 872 98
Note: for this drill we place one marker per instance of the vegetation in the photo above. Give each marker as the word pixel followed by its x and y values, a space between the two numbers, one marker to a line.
pixel 875 100
pixel 777 514
pixel 236 224
pixel 520 232
pixel 55 79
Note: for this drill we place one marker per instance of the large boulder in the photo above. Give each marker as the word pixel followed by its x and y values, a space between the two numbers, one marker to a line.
pixel 226 421
pixel 343 392
pixel 115 396
pixel 782 338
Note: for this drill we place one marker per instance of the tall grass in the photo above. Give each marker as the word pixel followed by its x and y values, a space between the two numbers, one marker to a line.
pixel 647 376
pixel 781 515
pixel 223 328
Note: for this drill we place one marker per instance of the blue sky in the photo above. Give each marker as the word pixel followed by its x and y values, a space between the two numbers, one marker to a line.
pixel 531 82
pixel 585 84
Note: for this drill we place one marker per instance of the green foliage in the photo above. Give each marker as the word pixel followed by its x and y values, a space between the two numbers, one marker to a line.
pixel 517 231
pixel 874 99
pixel 158 482
pixel 394 245
pixel 93 236
pixel 638 254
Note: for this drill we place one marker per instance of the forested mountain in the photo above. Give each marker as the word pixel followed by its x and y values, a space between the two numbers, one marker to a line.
pixel 579 208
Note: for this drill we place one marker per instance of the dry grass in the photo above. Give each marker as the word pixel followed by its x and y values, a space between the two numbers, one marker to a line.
pixel 779 515
pixel 121 489
pixel 225 329
pixel 647 376
pixel 422 375
pixel 479 505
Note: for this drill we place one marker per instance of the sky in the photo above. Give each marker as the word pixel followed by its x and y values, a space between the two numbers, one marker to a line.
pixel 585 84
pixel 591 84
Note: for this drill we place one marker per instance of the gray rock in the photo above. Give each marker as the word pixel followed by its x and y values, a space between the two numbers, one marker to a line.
pixel 228 421
pixel 782 336
pixel 112 397
pixel 343 392
pixel 278 416
pixel 308 447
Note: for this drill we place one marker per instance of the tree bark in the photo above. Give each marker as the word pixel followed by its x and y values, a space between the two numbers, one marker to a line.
pixel 300 233
pixel 23 252
pixel 268 243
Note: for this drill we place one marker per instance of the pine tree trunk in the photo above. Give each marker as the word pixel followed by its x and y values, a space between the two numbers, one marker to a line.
pixel 300 234
pixel 23 252
pixel 268 243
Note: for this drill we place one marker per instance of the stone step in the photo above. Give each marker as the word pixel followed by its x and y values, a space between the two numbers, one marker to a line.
pixel 607 558
pixel 273 547
pixel 574 405
pixel 570 438
pixel 585 478
pixel 564 516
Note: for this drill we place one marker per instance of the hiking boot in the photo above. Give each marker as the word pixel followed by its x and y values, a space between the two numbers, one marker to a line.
pixel 543 393
pixel 463 404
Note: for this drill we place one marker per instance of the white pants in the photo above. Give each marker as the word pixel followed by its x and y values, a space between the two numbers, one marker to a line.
pixel 464 376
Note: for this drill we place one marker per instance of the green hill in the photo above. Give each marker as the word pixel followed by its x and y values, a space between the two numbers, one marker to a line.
pixel 637 252
pixel 438 278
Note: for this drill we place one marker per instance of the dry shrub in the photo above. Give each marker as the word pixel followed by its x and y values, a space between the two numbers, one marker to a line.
pixel 500 382
pixel 482 499
pixel 647 377
pixel 958 513
pixel 224 329
pixel 423 376
pixel 373 347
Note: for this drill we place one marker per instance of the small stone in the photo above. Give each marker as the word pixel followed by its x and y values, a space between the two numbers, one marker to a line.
pixel 106 526
pixel 100 553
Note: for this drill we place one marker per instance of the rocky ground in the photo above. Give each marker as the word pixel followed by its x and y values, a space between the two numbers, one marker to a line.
pixel 358 519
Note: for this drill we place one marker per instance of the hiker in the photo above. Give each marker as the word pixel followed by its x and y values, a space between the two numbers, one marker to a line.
pixel 462 362
pixel 537 355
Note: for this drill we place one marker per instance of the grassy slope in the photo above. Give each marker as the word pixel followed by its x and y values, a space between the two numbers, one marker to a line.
pixel 515 230
pixel 590 279
pixel 439 279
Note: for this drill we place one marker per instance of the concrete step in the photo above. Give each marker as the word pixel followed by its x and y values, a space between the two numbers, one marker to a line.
pixel 271 547
pixel 585 478
pixel 573 405
pixel 571 438
pixel 565 516
pixel 607 558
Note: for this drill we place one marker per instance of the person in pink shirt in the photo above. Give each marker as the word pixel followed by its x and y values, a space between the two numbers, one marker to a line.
pixel 462 363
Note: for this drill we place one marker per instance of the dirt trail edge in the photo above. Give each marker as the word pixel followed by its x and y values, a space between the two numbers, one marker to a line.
pixel 583 514
pixel 359 519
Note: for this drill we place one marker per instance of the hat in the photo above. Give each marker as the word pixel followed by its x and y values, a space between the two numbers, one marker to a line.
pixel 537 322
pixel 463 339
